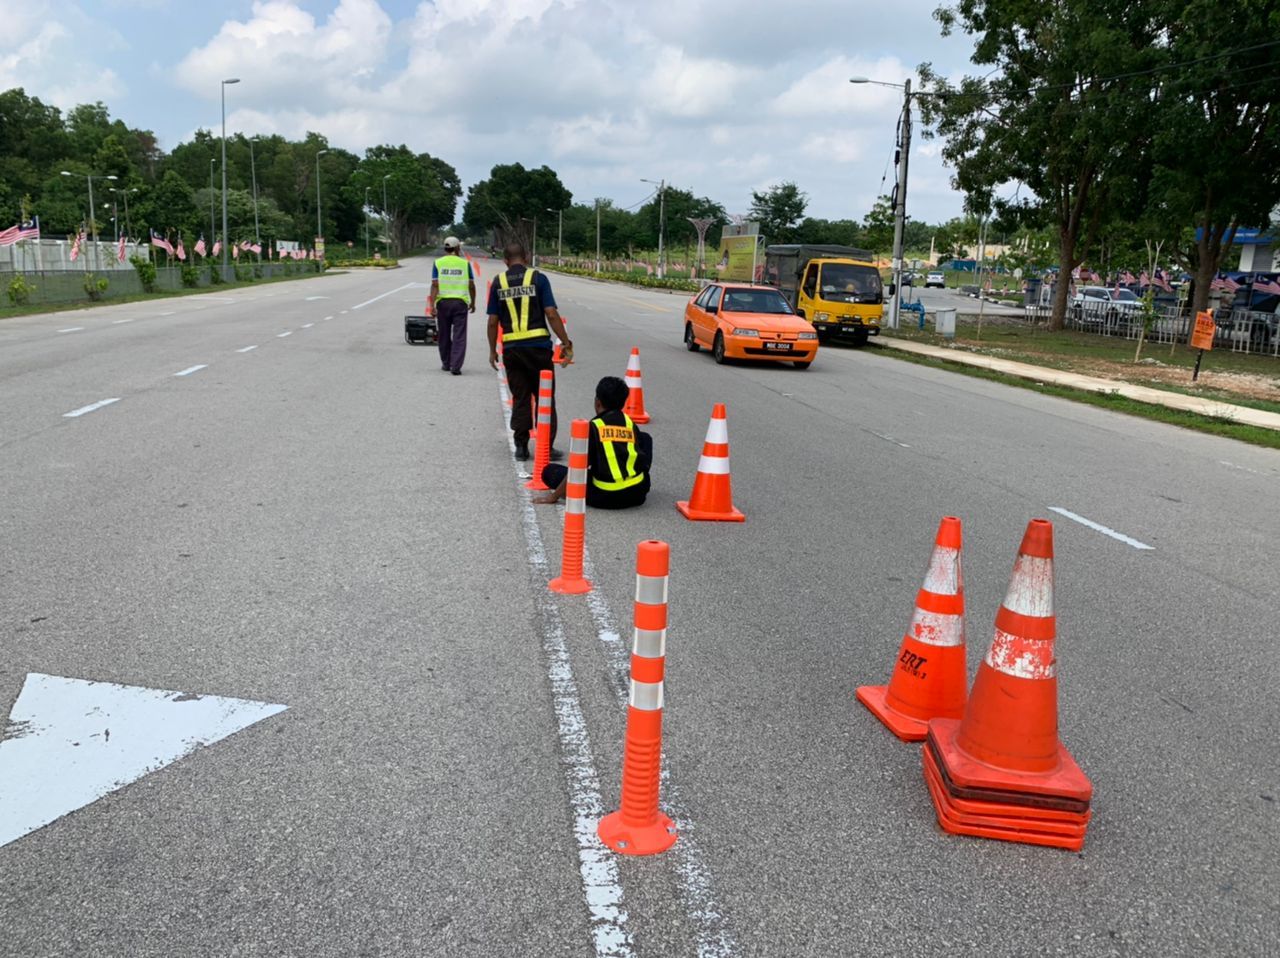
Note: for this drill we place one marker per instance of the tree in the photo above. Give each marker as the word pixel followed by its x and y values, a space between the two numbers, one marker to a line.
pixel 512 199
pixel 877 226
pixel 1064 110
pixel 1217 141
pixel 779 210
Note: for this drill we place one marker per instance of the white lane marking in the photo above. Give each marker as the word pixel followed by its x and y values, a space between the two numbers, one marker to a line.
pixel 71 329
pixel 597 866
pixel 89 408
pixel 170 313
pixel 312 299
pixel 73 741
pixel 1096 527
pixel 307 325
pixel 327 318
pixel 715 940
pixel 283 335
pixel 1232 465
pixel 344 312
pixel 247 349
pixel 192 369
pixel 390 292
pixel 117 322
pixel 880 435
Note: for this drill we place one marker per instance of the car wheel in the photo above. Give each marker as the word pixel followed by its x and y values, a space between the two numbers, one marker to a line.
pixel 689 341
pixel 407 339
pixel 803 365
pixel 717 349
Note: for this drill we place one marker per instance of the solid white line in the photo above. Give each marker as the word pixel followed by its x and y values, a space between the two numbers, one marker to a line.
pixel 71 329
pixel 1118 536
pixel 89 408
pixel 383 296
pixel 192 369
pixel 307 325
pixel 247 349
pixel 597 865
pixel 117 322
pixel 283 335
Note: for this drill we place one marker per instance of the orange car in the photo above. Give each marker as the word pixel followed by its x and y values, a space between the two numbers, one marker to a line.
pixel 741 321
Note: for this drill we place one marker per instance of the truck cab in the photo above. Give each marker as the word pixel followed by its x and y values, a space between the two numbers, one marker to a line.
pixel 837 289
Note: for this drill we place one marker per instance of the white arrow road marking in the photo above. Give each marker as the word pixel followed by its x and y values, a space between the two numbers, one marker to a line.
pixel 89 408
pixel 1119 536
pixel 192 369
pixel 71 741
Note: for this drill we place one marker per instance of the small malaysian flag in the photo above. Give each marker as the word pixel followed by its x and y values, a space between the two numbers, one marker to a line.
pixel 181 251
pixel 9 237
pixel 256 249
pixel 1267 286
pixel 217 247
pixel 76 244
pixel 1144 279
pixel 1127 278
pixel 1217 283
pixel 235 251
pixel 159 242
pixel 1229 284
pixel 29 230
pixel 120 250
pixel 1162 281
pixel 200 247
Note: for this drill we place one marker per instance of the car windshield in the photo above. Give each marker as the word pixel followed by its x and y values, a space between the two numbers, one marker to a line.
pixel 1124 296
pixel 754 301
pixel 841 281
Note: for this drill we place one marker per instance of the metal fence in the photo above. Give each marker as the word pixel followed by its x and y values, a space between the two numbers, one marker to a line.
pixel 1239 330
pixel 52 286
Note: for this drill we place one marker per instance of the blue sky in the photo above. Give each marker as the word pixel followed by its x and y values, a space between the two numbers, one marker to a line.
pixel 719 96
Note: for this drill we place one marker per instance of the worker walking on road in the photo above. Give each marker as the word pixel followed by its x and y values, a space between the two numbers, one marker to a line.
pixel 619 455
pixel 453 296
pixel 522 305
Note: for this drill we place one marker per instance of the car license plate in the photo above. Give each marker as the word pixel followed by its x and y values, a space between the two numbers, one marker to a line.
pixel 783 347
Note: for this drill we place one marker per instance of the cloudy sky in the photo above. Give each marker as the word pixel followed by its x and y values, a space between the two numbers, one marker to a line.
pixel 718 96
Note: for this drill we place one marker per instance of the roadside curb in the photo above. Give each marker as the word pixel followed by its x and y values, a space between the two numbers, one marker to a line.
pixel 1243 415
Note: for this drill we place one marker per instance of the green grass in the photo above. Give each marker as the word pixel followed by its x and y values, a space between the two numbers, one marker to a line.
pixel 35 309
pixel 1255 435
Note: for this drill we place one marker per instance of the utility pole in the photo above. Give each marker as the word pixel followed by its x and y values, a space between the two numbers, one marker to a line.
pixel 319 225
pixel 662 210
pixel 597 234
pixel 213 227
pixel 366 222
pixel 253 171
pixel 224 173
pixel 900 202
pixel 559 235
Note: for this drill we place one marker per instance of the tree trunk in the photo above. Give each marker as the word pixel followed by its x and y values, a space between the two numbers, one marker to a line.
pixel 1062 290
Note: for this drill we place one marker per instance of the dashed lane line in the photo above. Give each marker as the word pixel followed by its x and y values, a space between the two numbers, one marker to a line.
pixel 117 322
pixel 1097 527
pixel 71 329
pixel 89 408
pixel 284 334
pixel 192 369
pixel 247 349
pixel 307 325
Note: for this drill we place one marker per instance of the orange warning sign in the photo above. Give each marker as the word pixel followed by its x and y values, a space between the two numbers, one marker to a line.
pixel 1202 334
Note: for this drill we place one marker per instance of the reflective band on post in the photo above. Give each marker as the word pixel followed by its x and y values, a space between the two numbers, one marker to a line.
pixel 650 643
pixel 645 696
pixel 578 476
pixel 575 506
pixel 714 465
pixel 651 590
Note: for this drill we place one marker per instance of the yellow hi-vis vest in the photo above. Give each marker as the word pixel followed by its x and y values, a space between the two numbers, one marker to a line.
pixel 610 437
pixel 525 293
pixel 453 276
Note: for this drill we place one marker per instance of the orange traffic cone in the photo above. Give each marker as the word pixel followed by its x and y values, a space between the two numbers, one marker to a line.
pixel 929 679
pixel 542 433
pixel 712 496
pixel 1004 757
pixel 634 406
pixel 639 827
pixel 571 581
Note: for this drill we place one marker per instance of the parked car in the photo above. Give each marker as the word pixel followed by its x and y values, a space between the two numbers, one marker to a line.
pixel 1098 304
pixel 741 321
pixel 935 279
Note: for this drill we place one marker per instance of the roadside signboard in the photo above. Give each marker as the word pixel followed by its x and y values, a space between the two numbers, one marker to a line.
pixel 319 247
pixel 1202 334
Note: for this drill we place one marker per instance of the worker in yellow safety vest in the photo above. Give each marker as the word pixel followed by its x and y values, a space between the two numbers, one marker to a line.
pixel 522 305
pixel 453 296
pixel 619 455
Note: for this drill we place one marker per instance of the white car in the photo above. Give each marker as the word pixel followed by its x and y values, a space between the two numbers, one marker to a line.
pixel 935 279
pixel 1098 304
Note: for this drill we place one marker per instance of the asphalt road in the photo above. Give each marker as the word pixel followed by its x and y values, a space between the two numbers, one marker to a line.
pixel 328 522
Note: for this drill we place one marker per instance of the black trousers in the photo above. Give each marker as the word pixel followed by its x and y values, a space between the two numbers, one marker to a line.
pixel 524 365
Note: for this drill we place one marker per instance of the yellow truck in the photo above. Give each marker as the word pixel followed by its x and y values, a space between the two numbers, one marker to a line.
pixel 836 288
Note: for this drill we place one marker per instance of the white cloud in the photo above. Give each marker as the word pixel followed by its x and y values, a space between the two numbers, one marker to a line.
pixel 46 56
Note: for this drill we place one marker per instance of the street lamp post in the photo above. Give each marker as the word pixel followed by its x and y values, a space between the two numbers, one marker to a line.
pixel 900 193
pixel 386 220
pixel 93 223
pixel 559 235
pixel 224 172
pixel 366 222
pixel 597 234
pixel 319 226
pixel 662 208
pixel 128 227
pixel 213 228
pixel 253 172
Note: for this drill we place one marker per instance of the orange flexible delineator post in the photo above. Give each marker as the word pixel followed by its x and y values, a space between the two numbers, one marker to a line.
pixel 542 435
pixel 570 581
pixel 639 827
pixel 1000 769
pixel 929 678
pixel 634 406
pixel 712 496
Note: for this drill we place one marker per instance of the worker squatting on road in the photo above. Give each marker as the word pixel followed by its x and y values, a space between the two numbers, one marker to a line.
pixel 453 296
pixel 522 305
pixel 619 455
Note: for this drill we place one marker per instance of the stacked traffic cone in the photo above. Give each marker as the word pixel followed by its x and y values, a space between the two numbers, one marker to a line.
pixel 542 435
pixel 1000 771
pixel 928 679
pixel 639 827
pixel 634 406
pixel 712 496
pixel 571 581
pixel 557 351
